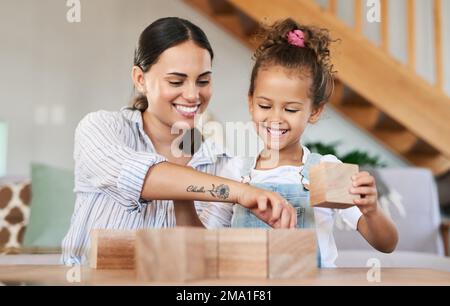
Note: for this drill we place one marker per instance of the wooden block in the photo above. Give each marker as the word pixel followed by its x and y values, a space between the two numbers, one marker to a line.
pixel 172 254
pixel 112 249
pixel 330 184
pixel 243 253
pixel 212 253
pixel 292 253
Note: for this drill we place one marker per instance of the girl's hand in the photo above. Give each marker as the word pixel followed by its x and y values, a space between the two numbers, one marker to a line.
pixel 364 184
pixel 268 206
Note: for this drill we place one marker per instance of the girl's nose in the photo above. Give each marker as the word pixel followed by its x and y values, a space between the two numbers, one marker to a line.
pixel 275 117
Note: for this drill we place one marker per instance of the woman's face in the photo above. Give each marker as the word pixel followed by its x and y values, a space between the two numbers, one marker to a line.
pixel 178 86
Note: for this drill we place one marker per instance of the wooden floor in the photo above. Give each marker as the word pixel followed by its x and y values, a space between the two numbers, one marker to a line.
pixel 61 275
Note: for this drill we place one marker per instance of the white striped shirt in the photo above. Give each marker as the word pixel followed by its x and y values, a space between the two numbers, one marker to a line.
pixel 112 156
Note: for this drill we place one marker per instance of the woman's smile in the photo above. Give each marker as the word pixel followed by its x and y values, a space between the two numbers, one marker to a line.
pixel 187 111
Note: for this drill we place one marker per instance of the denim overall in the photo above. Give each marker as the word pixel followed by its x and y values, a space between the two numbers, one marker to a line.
pixel 295 194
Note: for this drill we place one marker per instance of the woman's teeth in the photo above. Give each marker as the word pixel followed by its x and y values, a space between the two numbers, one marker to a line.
pixel 186 109
pixel 276 132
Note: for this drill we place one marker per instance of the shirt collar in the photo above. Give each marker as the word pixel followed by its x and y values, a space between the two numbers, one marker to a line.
pixel 306 153
pixel 132 115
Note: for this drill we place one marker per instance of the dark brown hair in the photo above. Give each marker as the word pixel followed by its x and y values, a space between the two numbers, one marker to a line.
pixel 313 59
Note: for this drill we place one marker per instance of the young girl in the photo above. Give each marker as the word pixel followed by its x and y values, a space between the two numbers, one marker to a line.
pixel 291 81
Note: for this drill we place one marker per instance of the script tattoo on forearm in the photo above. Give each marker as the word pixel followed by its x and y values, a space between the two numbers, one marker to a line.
pixel 221 192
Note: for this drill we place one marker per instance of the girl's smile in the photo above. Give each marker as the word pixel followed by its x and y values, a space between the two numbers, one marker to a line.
pixel 274 134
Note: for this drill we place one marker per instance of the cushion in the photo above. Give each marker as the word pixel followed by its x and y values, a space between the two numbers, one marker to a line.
pixel 412 204
pixel 15 198
pixel 52 206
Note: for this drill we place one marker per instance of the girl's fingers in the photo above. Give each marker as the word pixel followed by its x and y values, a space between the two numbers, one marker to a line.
pixel 365 201
pixel 363 180
pixel 360 174
pixel 363 190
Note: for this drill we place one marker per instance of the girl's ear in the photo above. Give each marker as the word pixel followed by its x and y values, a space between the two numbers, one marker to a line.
pixel 315 114
pixel 138 79
pixel 250 104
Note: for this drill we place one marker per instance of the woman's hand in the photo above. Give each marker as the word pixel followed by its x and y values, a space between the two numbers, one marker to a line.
pixel 364 184
pixel 268 206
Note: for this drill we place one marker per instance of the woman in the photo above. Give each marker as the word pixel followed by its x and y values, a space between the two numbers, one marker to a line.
pixel 131 170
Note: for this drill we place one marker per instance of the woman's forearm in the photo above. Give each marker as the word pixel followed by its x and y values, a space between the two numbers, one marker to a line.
pixel 379 231
pixel 167 181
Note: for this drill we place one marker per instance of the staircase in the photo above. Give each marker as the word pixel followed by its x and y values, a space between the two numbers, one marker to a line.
pixel 387 99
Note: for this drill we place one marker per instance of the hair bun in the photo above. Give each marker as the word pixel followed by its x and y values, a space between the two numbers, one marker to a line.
pixel 295 46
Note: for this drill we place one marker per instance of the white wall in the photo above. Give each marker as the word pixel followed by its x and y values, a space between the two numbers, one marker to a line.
pixel 3 141
pixel 49 65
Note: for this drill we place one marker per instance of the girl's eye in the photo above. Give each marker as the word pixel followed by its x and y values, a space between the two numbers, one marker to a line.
pixel 264 106
pixel 291 110
pixel 175 83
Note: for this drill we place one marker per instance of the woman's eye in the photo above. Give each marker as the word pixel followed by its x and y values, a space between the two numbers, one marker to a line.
pixel 291 110
pixel 203 83
pixel 264 106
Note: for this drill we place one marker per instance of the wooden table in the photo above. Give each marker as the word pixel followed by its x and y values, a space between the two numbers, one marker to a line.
pixel 61 275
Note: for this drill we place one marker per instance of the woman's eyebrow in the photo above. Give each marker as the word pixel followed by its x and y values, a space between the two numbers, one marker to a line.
pixel 184 75
pixel 205 73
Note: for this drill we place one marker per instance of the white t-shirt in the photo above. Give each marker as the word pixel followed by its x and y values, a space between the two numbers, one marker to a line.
pixel 324 217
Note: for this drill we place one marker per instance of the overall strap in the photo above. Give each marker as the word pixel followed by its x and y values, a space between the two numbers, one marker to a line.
pixel 248 163
pixel 312 160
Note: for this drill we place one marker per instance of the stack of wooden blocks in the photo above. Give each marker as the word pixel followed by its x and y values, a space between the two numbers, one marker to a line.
pixel 184 254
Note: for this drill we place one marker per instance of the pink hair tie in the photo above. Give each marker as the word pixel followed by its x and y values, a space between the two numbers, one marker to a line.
pixel 296 38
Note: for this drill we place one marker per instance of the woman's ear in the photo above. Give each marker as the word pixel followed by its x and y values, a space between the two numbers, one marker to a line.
pixel 138 79
pixel 315 114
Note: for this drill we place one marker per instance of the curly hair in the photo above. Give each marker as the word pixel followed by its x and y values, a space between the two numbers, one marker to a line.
pixel 313 59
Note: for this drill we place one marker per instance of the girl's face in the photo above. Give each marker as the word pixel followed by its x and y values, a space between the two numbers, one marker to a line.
pixel 281 107
pixel 178 86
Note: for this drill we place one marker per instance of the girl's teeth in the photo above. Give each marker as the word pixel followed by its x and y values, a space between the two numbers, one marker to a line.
pixel 276 132
pixel 187 109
